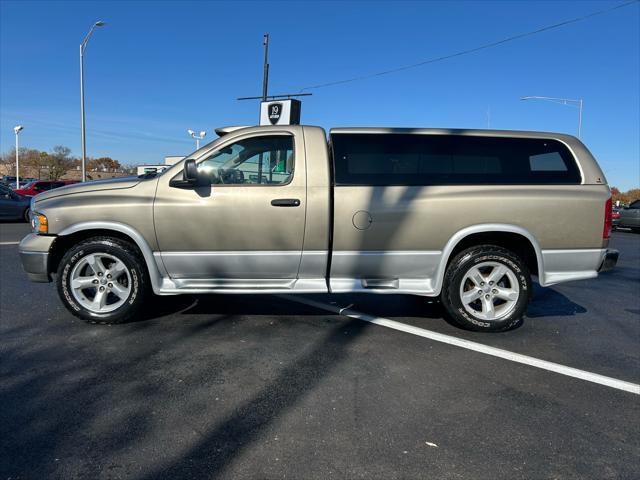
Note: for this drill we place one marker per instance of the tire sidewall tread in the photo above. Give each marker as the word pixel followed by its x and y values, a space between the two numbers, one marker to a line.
pixel 128 254
pixel 455 273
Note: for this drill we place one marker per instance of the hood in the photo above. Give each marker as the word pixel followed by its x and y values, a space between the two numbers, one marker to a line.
pixel 92 186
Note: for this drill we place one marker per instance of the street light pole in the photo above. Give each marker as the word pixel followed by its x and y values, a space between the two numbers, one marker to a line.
pixel 580 120
pixel 563 101
pixel 83 45
pixel 197 137
pixel 17 130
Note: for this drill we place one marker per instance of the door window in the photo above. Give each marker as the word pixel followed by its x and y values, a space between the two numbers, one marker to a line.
pixel 263 160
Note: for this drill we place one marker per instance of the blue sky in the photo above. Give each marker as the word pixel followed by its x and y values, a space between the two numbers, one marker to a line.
pixel 159 68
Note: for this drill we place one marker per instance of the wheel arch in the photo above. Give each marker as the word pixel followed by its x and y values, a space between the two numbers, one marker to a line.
pixel 80 231
pixel 512 237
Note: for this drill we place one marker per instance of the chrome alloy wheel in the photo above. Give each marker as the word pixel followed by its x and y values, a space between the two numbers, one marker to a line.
pixel 100 282
pixel 489 291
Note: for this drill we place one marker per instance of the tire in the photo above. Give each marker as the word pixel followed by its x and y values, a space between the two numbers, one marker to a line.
pixel 489 307
pixel 117 270
pixel 26 216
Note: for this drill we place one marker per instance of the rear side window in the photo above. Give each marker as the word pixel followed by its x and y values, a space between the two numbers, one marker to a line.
pixel 413 159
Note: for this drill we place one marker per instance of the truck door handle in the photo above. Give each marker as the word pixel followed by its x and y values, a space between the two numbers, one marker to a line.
pixel 285 202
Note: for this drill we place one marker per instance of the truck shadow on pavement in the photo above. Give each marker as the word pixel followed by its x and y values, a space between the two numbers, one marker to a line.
pixel 89 397
pixel 87 400
pixel 235 433
pixel 548 302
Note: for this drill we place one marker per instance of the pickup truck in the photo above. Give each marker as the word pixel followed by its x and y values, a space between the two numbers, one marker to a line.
pixel 465 215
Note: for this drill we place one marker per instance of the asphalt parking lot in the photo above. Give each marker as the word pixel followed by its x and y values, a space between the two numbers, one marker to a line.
pixel 238 386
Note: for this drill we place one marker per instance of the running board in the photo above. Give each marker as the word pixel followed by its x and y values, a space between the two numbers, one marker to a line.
pixel 391 283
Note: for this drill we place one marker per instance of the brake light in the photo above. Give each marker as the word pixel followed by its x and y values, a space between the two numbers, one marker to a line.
pixel 608 218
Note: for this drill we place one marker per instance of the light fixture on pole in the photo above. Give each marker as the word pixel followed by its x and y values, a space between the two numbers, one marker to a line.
pixel 563 101
pixel 83 45
pixel 197 137
pixel 17 129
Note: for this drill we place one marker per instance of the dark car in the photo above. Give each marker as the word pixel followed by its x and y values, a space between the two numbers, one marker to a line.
pixel 630 216
pixel 8 181
pixel 13 206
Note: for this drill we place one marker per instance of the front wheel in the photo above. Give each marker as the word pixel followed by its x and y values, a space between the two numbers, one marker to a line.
pixel 487 288
pixel 102 280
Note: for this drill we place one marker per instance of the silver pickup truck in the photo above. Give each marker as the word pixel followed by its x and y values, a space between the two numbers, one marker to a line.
pixel 466 215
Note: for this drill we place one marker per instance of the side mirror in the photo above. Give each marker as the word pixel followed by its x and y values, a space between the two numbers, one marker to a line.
pixel 189 176
pixel 191 171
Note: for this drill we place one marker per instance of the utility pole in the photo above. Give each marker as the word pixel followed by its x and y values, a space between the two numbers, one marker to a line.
pixel 265 75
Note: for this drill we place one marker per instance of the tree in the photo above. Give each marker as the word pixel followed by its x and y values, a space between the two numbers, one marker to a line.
pixel 103 164
pixel 624 197
pixel 60 161
pixel 35 160
pixel 631 195
pixel 8 162
pixel 53 165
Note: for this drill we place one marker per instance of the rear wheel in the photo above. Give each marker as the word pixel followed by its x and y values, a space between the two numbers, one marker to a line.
pixel 487 288
pixel 102 280
pixel 26 216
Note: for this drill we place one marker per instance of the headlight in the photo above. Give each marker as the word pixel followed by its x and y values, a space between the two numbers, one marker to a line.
pixel 39 223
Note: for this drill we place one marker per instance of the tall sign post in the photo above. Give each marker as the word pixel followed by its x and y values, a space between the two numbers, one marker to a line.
pixel 276 109
pixel 265 73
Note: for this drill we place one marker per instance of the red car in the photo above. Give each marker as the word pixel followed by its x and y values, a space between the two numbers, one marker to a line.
pixel 34 188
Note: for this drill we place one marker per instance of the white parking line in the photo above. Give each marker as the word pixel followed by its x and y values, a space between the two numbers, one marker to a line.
pixel 9 243
pixel 476 347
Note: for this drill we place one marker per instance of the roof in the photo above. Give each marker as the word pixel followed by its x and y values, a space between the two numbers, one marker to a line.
pixel 224 130
pixel 454 131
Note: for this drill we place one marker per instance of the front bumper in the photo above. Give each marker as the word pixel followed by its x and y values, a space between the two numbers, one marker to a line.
pixel 609 261
pixel 34 255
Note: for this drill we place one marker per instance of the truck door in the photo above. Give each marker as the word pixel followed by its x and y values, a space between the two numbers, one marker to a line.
pixel 244 228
